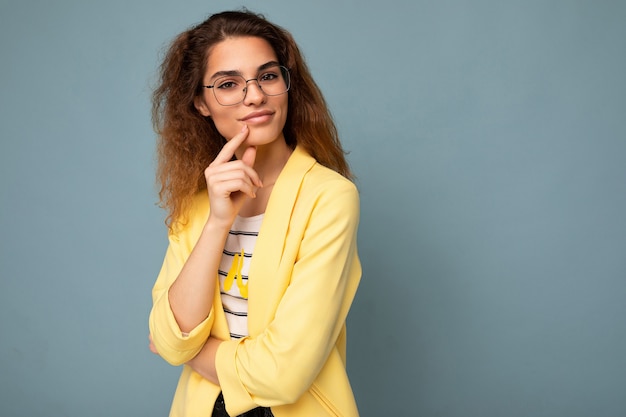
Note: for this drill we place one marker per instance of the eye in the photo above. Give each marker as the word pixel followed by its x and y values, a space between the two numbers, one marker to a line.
pixel 269 76
pixel 227 83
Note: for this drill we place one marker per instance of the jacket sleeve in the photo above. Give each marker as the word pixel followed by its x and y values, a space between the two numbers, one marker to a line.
pixel 172 344
pixel 279 365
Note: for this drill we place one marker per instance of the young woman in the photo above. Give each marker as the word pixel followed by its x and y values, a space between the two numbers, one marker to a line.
pixel 262 264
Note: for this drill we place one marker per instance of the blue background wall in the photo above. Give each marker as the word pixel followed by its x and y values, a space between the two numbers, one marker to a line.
pixel 489 139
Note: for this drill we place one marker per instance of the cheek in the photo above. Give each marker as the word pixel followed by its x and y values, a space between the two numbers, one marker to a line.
pixel 227 126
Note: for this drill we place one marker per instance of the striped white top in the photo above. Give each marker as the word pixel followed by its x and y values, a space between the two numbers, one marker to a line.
pixel 233 272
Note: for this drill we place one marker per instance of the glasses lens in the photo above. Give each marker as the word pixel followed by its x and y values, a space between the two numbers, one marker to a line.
pixel 274 81
pixel 229 90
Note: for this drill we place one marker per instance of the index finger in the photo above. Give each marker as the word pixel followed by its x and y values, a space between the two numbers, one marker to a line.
pixel 227 152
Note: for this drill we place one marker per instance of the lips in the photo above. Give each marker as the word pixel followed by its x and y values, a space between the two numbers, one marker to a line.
pixel 258 116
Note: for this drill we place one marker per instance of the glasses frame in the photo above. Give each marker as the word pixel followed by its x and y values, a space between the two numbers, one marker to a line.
pixel 283 69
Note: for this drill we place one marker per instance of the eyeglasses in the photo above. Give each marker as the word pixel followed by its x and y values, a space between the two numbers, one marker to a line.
pixel 231 89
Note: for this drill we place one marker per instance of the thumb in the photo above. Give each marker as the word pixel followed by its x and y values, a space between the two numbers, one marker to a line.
pixel 249 155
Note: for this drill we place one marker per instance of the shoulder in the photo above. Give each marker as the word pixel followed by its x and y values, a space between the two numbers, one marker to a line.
pixel 325 180
pixel 306 182
pixel 317 176
pixel 327 194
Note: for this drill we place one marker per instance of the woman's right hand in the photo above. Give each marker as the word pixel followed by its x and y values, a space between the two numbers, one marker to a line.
pixel 231 182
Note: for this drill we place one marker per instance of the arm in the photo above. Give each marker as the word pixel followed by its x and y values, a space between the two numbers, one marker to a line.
pixel 172 344
pixel 191 295
pixel 204 362
pixel 229 184
pixel 183 296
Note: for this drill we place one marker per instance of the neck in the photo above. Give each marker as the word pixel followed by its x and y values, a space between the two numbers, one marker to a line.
pixel 270 160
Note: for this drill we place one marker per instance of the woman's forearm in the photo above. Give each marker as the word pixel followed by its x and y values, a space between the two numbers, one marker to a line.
pixel 191 295
pixel 204 362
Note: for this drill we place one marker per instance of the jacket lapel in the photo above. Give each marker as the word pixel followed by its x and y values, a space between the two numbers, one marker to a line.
pixel 266 283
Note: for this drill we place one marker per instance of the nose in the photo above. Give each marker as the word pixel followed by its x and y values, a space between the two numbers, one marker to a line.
pixel 253 95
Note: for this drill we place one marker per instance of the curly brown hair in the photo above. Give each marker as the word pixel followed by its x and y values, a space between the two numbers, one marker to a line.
pixel 188 142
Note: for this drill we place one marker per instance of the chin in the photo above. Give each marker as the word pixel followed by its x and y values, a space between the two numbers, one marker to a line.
pixel 260 136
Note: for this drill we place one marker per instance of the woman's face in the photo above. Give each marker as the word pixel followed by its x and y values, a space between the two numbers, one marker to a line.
pixel 264 115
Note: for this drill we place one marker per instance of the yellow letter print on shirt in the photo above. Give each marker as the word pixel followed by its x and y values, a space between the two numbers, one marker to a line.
pixel 235 273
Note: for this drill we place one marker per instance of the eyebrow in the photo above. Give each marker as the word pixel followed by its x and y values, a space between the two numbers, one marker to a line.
pixel 230 73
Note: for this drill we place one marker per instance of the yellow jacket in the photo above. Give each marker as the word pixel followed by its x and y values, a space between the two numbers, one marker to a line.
pixel 303 277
